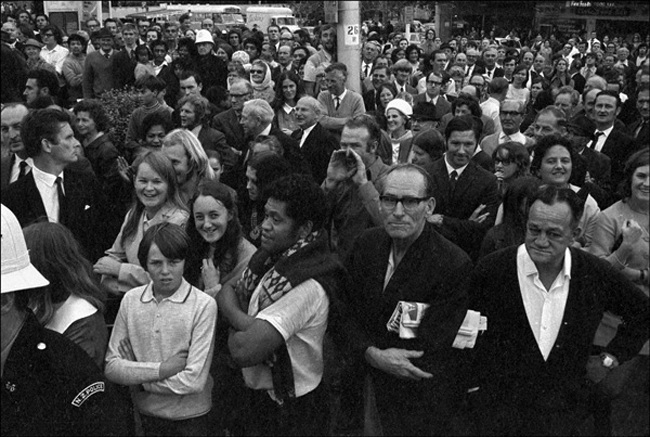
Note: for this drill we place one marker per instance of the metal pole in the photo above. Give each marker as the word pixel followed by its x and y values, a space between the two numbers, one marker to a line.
pixel 348 40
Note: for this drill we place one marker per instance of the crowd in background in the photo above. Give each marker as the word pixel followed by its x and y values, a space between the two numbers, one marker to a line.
pixel 221 119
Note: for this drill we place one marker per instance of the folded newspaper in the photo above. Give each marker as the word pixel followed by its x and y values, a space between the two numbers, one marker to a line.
pixel 407 316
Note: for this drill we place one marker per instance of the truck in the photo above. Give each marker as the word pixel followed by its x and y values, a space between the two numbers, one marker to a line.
pixel 263 16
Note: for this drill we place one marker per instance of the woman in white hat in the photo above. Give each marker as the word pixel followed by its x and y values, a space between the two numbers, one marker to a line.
pixel 398 115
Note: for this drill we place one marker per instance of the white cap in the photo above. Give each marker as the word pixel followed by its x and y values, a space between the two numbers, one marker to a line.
pixel 401 105
pixel 17 272
pixel 203 35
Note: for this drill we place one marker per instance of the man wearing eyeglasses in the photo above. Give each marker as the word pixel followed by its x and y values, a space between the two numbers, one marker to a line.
pixel 461 186
pixel 511 115
pixel 408 267
pixel 434 83
pixel 227 122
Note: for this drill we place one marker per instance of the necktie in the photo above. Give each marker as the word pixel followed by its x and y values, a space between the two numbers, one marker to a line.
pixel 365 71
pixel 23 169
pixel 108 55
pixel 337 102
pixel 643 127
pixel 61 194
pixel 402 89
pixel 453 178
pixel 596 136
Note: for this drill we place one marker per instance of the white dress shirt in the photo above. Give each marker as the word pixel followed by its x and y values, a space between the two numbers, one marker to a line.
pixel 305 134
pixel 602 138
pixel 46 185
pixel 544 308
pixel 15 169
pixel 55 57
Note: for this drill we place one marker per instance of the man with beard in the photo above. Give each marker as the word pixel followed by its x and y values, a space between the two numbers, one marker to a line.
pixel 323 57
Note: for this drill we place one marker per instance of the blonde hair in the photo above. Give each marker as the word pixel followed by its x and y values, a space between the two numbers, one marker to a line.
pixel 199 161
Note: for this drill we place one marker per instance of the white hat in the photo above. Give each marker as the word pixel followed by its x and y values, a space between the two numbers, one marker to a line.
pixel 401 105
pixel 203 35
pixel 17 272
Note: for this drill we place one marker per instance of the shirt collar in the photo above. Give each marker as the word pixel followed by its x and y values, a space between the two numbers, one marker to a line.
pixel 345 91
pixel 531 269
pixel 46 178
pixel 180 296
pixel 450 168
pixel 287 109
pixel 606 131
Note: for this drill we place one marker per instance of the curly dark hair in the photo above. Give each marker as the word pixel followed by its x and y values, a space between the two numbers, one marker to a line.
pixel 305 201
pixel 544 144
pixel 96 111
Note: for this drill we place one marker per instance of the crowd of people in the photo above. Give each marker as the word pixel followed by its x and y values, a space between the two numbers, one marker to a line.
pixel 266 251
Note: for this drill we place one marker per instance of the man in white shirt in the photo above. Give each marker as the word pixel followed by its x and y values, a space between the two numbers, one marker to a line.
pixel 289 286
pixel 53 53
pixel 544 301
pixel 55 191
pixel 497 90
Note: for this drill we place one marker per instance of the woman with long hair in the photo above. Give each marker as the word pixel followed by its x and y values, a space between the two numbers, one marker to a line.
pixel 289 90
pixel 512 230
pixel 156 200
pixel 189 159
pixel 261 170
pixel 560 76
pixel 73 303
pixel 260 78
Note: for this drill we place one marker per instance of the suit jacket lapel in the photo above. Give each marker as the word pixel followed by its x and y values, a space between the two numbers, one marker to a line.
pixel 34 198
pixel 465 181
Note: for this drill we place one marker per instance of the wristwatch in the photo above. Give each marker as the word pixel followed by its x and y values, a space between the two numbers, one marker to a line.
pixel 607 360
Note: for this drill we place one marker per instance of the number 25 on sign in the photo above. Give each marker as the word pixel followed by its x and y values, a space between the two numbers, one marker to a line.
pixel 352 35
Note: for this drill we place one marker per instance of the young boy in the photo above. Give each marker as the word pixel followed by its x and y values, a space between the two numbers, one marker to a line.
pixel 163 340
pixel 148 89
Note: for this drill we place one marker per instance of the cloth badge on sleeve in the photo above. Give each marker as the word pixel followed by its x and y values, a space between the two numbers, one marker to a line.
pixel 88 392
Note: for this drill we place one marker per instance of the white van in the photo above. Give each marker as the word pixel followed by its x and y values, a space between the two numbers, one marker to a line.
pixel 263 17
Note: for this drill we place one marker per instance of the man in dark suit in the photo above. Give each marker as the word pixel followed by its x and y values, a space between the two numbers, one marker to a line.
pixel 227 122
pixel 405 267
pixel 314 141
pixel 592 169
pixel 639 128
pixel 380 74
pixel 124 61
pixel 54 192
pixel 528 373
pixel 256 119
pixel 608 139
pixel 16 164
pixel 489 67
pixel 435 82
pixel 460 186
